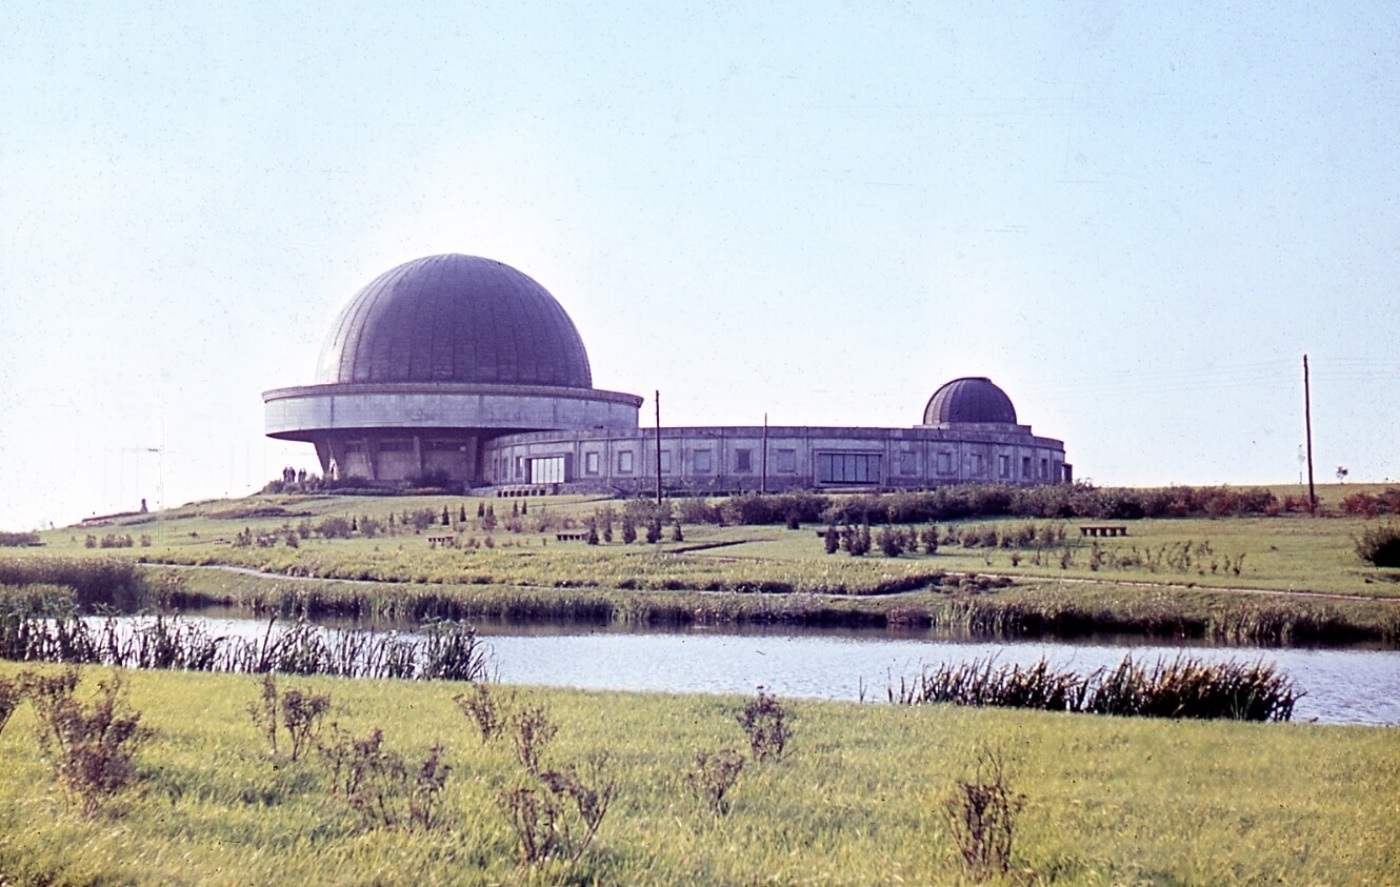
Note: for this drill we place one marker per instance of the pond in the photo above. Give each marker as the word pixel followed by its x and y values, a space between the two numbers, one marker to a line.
pixel 1342 685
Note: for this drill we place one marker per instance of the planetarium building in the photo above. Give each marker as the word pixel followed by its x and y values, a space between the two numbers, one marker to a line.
pixel 463 371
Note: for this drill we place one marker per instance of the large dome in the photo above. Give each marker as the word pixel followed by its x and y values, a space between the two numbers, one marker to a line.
pixel 455 318
pixel 969 399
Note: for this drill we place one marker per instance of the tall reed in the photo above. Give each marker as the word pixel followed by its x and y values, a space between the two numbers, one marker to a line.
pixel 444 651
pixel 1181 688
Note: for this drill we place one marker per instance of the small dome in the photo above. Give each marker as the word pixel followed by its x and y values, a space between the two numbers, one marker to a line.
pixel 455 318
pixel 969 399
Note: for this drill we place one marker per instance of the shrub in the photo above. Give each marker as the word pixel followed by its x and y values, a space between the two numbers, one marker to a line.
pixel 423 518
pixel 299 713
pixel 92 747
pixel 981 814
pixel 481 707
pixel 1380 546
pixel 379 785
pixel 334 527
pixel 929 539
pixel 858 541
pixel 713 775
pixel 531 731
pixel 765 722
pixel 557 814
pixel 891 543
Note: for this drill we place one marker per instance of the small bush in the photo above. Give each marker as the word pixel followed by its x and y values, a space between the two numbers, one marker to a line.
pixel 92 747
pixel 298 713
pixel 765 722
pixel 481 707
pixel 379 785
pixel 556 814
pixel 713 775
pixel 891 543
pixel 531 731
pixel 334 527
pixel 1380 546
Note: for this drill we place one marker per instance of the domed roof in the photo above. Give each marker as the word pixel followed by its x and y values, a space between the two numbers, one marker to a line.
pixel 969 399
pixel 455 318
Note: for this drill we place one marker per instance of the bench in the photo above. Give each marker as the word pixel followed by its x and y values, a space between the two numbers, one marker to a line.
pixel 571 536
pixel 1097 530
pixel 447 540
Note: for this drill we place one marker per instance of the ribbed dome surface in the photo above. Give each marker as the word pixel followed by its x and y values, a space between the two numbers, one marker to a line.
pixel 969 399
pixel 455 318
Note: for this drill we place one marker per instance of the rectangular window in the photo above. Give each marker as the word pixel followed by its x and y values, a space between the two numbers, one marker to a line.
pixel 976 463
pixel 704 462
pixel 665 461
pixel 624 462
pixel 787 460
pixel 519 467
pixel 1004 466
pixel 590 463
pixel 1025 467
pixel 848 468
pixel 549 470
pixel 945 463
pixel 1044 469
pixel 908 463
pixel 743 460
pixel 396 446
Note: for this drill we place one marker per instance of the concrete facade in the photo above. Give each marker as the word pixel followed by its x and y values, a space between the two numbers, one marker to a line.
pixel 734 458
pixel 407 431
pixel 462 371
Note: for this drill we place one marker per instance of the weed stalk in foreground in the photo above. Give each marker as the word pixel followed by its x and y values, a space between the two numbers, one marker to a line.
pixel 93 746
pixel 981 814
pixel 765 722
pixel 713 775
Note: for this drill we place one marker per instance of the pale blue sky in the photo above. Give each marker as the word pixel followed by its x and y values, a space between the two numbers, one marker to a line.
pixel 1135 219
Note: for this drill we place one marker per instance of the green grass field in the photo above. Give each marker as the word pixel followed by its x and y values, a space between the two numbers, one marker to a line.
pixel 1284 553
pixel 857 801
pixel 860 798
pixel 1254 579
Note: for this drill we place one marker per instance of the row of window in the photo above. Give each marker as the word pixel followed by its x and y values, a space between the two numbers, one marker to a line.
pixel 835 468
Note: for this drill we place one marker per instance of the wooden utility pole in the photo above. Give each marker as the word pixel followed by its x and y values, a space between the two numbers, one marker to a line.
pixel 658 448
pixel 763 459
pixel 1307 419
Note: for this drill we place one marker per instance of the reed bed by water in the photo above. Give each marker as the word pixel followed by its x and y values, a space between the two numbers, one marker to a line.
pixel 1181 688
pixel 959 606
pixel 108 581
pixel 443 651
